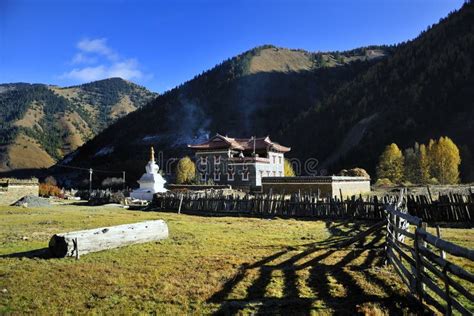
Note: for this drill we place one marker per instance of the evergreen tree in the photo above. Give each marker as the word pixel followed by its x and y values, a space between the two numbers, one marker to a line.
pixel 445 160
pixel 288 169
pixel 391 164
pixel 467 165
pixel 185 171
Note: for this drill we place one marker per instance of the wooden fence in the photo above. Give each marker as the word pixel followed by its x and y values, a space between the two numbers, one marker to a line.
pixel 268 205
pixel 450 208
pixel 420 259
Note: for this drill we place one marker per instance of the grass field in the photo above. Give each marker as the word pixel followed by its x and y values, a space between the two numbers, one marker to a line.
pixel 208 265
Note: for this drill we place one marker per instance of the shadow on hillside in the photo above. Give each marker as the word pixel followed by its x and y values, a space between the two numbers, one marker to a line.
pixel 42 253
pixel 328 267
pixel 24 173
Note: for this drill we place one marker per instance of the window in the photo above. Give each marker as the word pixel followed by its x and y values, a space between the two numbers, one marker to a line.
pixel 274 173
pixel 230 176
pixel 203 176
pixel 217 175
pixel 245 173
pixel 203 160
pixel 217 159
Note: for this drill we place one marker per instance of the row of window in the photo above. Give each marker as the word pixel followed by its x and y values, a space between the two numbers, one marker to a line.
pixel 230 176
pixel 244 175
pixel 217 159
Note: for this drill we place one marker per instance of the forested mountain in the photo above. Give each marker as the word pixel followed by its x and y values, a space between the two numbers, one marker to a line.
pixel 423 90
pixel 256 93
pixel 39 124
pixel 341 107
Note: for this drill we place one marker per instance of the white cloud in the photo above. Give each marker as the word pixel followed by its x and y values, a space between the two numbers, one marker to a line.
pixel 81 58
pixel 97 46
pixel 110 63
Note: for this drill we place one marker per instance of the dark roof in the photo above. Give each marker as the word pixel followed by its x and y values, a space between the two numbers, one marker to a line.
pixel 243 144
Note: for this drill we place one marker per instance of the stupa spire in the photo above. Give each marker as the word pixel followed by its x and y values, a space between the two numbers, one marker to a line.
pixel 152 154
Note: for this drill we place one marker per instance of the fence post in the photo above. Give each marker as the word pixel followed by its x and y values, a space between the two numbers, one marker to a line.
pixel 180 203
pixel 441 252
pixel 420 287
pixel 449 309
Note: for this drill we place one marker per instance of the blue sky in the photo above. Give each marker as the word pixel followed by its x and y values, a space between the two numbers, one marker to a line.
pixel 161 44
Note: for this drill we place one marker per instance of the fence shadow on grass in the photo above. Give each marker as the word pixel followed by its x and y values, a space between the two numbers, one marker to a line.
pixel 327 266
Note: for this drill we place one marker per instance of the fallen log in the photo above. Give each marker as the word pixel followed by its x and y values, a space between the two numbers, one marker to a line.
pixel 75 244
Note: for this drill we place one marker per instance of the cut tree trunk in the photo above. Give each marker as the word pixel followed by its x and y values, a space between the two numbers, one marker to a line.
pixel 75 244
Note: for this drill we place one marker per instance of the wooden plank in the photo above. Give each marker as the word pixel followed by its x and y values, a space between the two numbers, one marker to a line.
pixel 411 219
pixel 430 300
pixel 74 244
pixel 402 231
pixel 409 259
pixel 451 282
pixel 435 288
pixel 451 267
pixel 446 245
pixel 402 271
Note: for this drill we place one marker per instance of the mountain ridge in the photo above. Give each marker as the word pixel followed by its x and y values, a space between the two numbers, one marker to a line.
pixel 41 123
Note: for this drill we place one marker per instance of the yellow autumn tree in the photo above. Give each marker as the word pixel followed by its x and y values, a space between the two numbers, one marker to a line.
pixel 445 160
pixel 288 169
pixel 185 171
pixel 424 164
pixel 391 164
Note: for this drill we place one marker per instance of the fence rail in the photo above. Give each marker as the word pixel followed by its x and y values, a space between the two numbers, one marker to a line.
pixel 451 208
pixel 420 259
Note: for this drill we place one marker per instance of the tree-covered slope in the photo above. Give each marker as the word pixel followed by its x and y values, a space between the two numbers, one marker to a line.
pixel 256 93
pixel 40 124
pixel 423 90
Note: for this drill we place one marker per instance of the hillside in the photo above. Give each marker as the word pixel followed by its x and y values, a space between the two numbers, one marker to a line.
pixel 258 92
pixel 39 124
pixel 341 108
pixel 424 90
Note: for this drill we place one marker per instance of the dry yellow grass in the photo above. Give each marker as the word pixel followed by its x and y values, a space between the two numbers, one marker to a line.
pixel 25 152
pixel 32 117
pixel 281 60
pixel 123 107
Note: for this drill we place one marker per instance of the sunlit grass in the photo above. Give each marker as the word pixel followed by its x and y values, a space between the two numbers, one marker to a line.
pixel 209 264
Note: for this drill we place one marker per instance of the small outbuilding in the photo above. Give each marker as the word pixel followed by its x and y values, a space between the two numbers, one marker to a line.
pixel 326 186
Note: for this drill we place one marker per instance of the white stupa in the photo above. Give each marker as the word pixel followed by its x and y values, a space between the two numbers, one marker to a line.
pixel 151 181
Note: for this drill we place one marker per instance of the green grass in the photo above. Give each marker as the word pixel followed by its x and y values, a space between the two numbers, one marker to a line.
pixel 208 265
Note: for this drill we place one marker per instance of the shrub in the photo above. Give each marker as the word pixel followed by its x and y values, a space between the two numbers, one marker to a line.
pixel 185 171
pixel 47 190
pixel 355 172
pixel 383 182
pixel 288 168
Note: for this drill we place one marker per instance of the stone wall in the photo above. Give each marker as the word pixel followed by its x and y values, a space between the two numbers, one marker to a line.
pixel 11 190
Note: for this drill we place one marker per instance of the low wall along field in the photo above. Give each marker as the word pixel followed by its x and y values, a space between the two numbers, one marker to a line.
pixel 325 186
pixel 11 190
